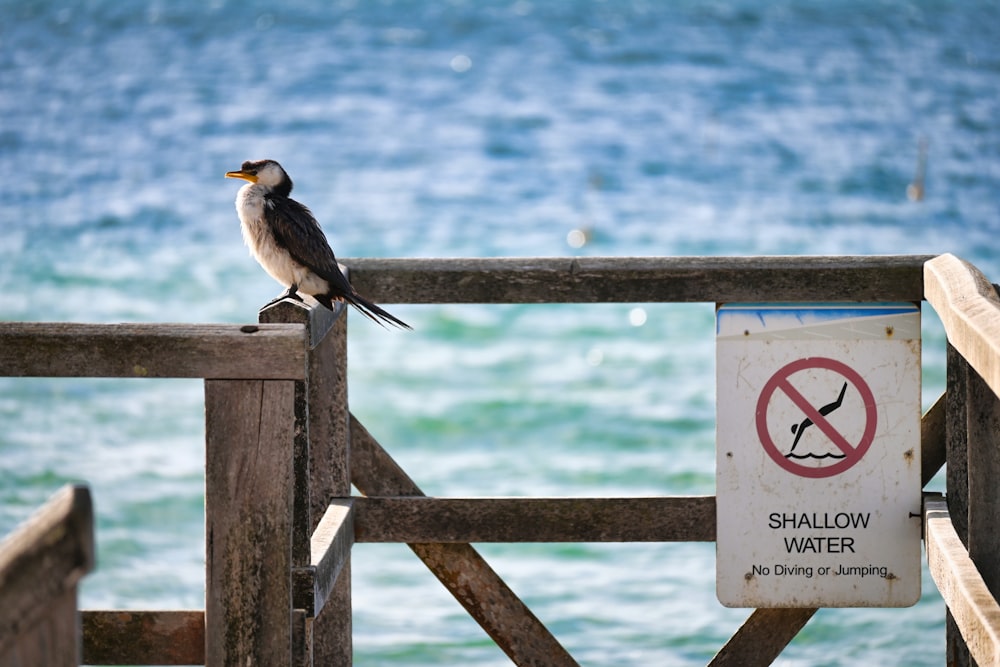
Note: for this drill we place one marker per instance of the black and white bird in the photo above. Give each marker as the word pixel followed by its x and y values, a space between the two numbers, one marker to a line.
pixel 285 239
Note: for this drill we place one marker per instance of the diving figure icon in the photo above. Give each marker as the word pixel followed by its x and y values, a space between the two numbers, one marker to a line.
pixel 799 428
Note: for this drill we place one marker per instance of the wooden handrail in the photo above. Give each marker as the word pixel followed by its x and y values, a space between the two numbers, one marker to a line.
pixel 969 308
pixel 229 351
pixel 975 610
pixel 639 279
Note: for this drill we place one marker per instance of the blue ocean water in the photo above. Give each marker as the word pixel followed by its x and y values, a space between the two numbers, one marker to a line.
pixel 458 128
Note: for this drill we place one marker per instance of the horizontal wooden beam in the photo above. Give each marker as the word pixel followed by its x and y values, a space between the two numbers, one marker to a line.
pixel 331 549
pixel 464 520
pixel 420 519
pixel 969 308
pixel 640 279
pixel 215 351
pixel 143 637
pixel 970 602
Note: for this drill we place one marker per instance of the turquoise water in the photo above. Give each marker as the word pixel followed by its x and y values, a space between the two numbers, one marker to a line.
pixel 442 129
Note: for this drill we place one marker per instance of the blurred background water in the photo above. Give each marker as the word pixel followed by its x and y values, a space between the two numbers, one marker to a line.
pixel 460 128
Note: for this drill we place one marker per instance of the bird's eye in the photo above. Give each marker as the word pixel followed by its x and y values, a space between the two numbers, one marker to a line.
pixel 248 168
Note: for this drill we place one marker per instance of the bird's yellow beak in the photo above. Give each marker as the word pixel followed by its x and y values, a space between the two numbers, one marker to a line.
pixel 240 174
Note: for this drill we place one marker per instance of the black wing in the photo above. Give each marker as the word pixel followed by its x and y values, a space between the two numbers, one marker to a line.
pixel 295 228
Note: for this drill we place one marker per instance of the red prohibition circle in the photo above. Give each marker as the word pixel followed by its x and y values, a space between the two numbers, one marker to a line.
pixel 853 452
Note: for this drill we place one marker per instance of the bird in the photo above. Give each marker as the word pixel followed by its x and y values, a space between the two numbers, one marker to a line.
pixel 288 242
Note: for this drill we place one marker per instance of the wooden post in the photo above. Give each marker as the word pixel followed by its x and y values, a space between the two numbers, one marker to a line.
pixel 322 468
pixel 250 433
pixel 983 429
pixel 957 481
pixel 331 479
pixel 40 565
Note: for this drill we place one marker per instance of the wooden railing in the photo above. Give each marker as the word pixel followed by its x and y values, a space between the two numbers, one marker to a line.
pixel 961 534
pixel 283 451
pixel 41 563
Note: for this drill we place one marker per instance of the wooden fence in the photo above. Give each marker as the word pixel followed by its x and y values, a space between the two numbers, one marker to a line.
pixel 283 451
pixel 41 563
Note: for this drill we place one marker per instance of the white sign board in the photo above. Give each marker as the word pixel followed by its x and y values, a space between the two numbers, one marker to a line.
pixel 818 455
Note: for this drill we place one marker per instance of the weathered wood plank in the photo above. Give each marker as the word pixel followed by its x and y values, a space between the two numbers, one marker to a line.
pixel 933 435
pixel 41 562
pixel 973 607
pixel 249 433
pixel 464 520
pixel 984 473
pixel 290 311
pixel 51 640
pixel 331 546
pixel 331 550
pixel 318 320
pixel 639 279
pixel 302 639
pixel 59 349
pixel 762 637
pixel 143 637
pixel 957 483
pixel 330 476
pixel 336 643
pixel 957 440
pixel 969 308
pixel 322 472
pixel 483 594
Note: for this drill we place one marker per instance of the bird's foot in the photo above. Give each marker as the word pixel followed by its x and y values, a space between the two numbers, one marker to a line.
pixel 291 293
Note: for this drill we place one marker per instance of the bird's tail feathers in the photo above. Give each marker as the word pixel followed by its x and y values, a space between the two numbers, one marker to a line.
pixel 374 312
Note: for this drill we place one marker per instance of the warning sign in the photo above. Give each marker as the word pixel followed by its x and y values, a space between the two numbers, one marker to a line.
pixel 818 455
pixel 809 460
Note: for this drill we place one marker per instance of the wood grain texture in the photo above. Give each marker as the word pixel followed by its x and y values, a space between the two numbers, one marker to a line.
pixel 55 349
pixel 972 605
pixel 41 562
pixel 51 640
pixel 639 279
pixel 331 551
pixel 464 520
pixel 322 470
pixel 762 638
pixel 957 483
pixel 143 637
pixel 249 433
pixel 969 308
pixel 330 479
pixel 933 440
pixel 983 413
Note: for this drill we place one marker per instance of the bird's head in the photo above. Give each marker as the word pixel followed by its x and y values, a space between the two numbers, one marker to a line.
pixel 264 172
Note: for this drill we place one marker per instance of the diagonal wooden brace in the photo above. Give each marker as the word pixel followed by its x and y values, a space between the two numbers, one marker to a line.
pixel 485 596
